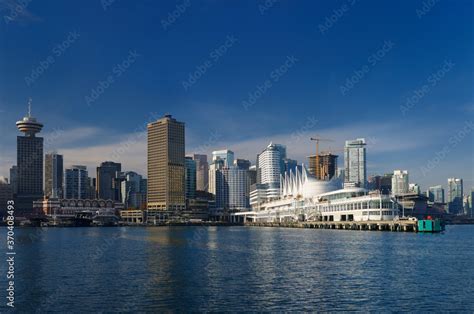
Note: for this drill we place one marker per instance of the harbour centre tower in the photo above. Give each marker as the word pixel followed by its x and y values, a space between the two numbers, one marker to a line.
pixel 29 162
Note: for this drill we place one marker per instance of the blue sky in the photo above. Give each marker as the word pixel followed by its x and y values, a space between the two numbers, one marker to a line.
pixel 242 74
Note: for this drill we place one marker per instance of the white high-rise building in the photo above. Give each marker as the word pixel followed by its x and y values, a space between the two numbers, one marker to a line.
pixel 400 182
pixel 355 164
pixel 270 166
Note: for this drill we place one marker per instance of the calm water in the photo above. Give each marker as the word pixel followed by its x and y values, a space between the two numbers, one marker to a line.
pixel 241 269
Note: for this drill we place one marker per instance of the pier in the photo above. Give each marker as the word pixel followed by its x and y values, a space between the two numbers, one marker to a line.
pixel 394 226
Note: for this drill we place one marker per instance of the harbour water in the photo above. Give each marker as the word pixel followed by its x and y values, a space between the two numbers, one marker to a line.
pixel 240 269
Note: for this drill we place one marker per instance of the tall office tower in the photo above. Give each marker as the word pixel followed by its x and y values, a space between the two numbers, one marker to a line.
pixel 270 166
pixel 381 183
pixel 29 162
pixel 190 177
pixel 237 186
pixel 106 174
pixel 14 179
pixel 455 196
pixel 400 182
pixel 166 165
pixel 133 190
pixel 76 183
pixel 216 182
pixel 435 194
pixel 355 164
pixel 53 175
pixel 323 166
pixel 226 155
pixel 202 172
pixel 252 174
pixel 242 164
pixel 414 188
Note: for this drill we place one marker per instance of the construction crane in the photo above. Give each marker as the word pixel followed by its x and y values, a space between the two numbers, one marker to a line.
pixel 317 139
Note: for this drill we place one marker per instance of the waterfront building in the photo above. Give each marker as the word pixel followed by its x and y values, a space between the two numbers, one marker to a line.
pixel 355 163
pixel 435 194
pixel 270 166
pixel 414 188
pixel 303 197
pixel 133 190
pixel 69 208
pixel 190 177
pixel 227 156
pixel 400 182
pixel 133 216
pixel 166 166
pixel 76 183
pixel 14 179
pixel 202 172
pixel 107 185
pixel 53 175
pixel 29 183
pixel 455 196
pixel 323 166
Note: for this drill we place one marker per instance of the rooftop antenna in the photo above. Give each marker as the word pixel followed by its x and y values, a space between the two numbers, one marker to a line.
pixel 29 107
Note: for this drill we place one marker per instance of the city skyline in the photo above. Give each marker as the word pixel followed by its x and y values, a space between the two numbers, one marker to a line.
pixel 226 104
pixel 128 147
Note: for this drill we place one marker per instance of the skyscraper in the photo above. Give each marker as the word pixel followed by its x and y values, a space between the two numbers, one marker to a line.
pixel 6 194
pixel 202 172
pixel 435 194
pixel 107 172
pixel 355 164
pixel 190 176
pixel 76 183
pixel 414 188
pixel 400 182
pixel 270 166
pixel 166 165
pixel 323 166
pixel 53 175
pixel 226 155
pixel 133 190
pixel 455 196
pixel 29 162
pixel 242 164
